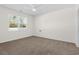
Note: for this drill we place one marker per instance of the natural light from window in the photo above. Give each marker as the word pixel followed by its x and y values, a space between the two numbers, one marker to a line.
pixel 17 22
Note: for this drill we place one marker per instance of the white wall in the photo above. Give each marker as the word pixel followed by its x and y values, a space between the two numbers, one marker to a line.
pixel 77 25
pixel 6 35
pixel 59 25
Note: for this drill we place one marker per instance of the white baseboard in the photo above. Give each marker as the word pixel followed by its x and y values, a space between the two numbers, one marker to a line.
pixel 53 38
pixel 77 45
pixel 13 39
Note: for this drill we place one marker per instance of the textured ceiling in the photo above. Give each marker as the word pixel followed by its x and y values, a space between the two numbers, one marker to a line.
pixel 41 8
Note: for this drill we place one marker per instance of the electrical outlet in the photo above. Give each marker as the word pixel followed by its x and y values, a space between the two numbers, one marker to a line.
pixel 40 30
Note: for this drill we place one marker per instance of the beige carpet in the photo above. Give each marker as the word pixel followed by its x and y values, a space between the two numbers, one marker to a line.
pixel 38 46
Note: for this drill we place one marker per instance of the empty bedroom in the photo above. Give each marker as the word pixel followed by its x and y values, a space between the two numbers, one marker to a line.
pixel 39 29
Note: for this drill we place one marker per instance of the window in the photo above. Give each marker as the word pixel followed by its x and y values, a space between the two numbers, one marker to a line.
pixel 16 22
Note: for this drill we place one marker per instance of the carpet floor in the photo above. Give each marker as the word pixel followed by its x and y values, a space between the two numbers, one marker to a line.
pixel 38 46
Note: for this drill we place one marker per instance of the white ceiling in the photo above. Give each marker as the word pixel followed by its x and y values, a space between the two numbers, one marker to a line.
pixel 41 8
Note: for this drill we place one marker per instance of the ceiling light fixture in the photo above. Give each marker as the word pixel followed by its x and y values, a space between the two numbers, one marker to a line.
pixel 34 9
